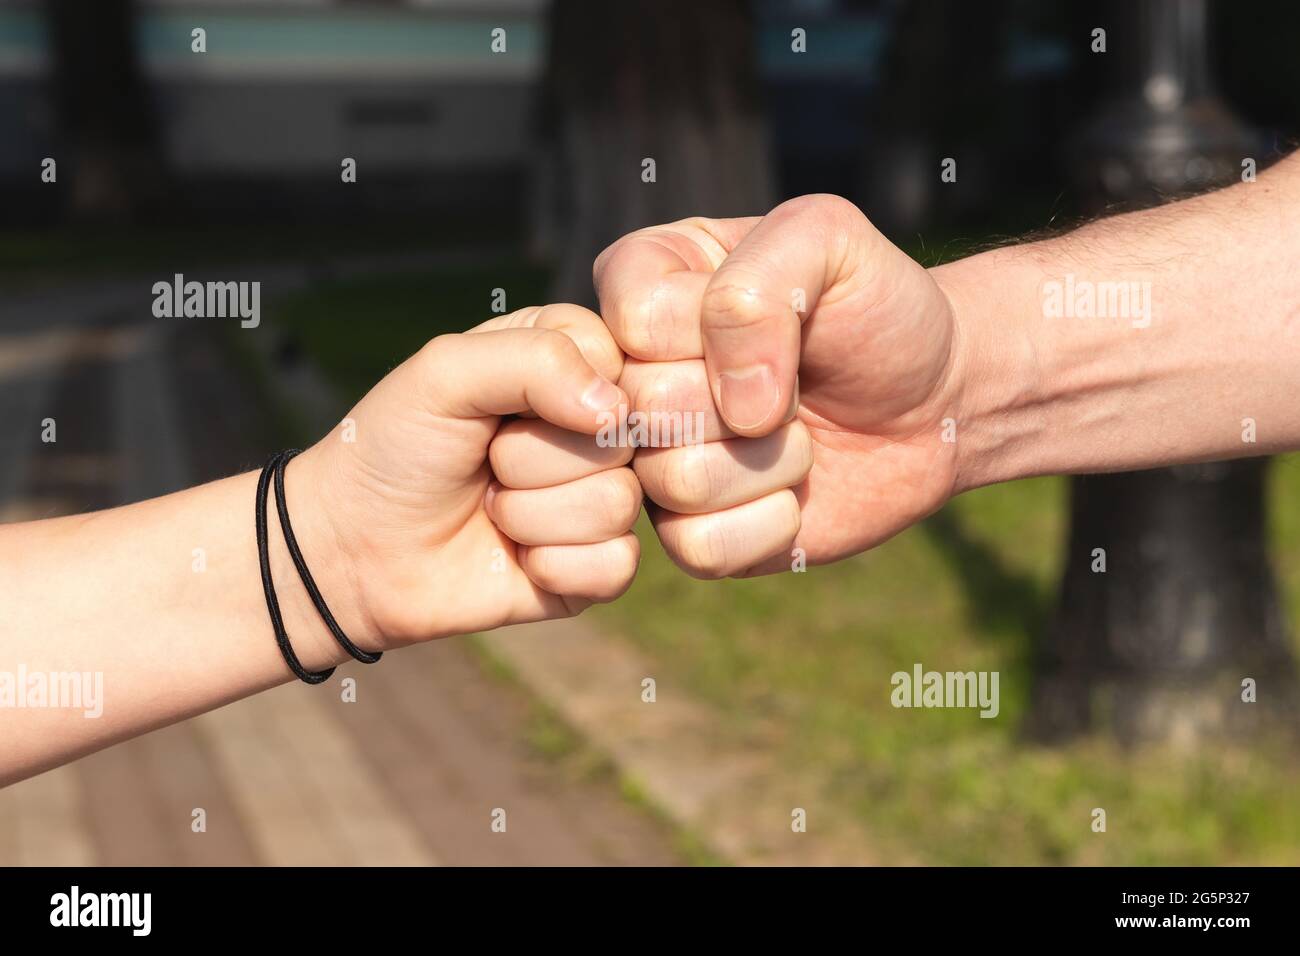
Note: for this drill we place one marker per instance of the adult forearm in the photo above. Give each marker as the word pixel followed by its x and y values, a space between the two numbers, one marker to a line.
pixel 1169 335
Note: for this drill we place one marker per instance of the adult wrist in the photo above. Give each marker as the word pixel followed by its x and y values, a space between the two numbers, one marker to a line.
pixel 1149 339
pixel 996 373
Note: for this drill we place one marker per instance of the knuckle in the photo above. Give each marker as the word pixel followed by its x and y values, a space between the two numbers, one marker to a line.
pixel 555 352
pixel 524 317
pixel 685 481
pixel 660 394
pixel 605 260
pixel 619 569
pixel 622 500
pixel 786 521
pixel 793 516
pixel 734 306
pixel 627 557
pixel 633 324
pixel 802 441
pixel 825 207
pixel 540 564
pixel 644 384
pixel 435 352
pixel 619 455
pixel 673 389
pixel 702 549
pixel 508 515
pixel 502 455
pixel 497 506
pixel 635 380
pixel 561 315
pixel 588 332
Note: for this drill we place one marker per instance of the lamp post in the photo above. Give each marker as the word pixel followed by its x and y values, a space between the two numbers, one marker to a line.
pixel 1158 645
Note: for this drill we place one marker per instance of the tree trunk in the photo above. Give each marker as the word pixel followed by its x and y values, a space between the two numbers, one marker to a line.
pixel 678 86
pixel 1156 646
pixel 942 81
pixel 103 109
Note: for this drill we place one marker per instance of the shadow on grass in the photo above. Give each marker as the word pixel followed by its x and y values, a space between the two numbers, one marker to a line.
pixel 1000 603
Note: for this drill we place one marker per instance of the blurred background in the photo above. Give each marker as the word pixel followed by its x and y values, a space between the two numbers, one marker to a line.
pixel 498 147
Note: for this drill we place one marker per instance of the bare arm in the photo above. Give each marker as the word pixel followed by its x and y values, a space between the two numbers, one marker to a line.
pixel 848 392
pixel 113 602
pixel 1202 357
pixel 407 531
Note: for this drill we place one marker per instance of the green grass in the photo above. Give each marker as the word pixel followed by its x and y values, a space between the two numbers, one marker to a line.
pixel 967 590
pixel 813 653
pixel 359 329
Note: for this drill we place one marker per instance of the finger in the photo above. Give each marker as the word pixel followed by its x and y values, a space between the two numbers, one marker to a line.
pixel 695 479
pixel 588 331
pixel 673 399
pixel 729 542
pixel 509 371
pixel 527 453
pixel 587 511
pixel 595 572
pixel 782 560
pixel 650 284
pixel 752 309
pixel 658 391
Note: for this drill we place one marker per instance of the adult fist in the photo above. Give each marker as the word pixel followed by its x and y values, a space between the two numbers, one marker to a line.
pixel 824 362
pixel 445 520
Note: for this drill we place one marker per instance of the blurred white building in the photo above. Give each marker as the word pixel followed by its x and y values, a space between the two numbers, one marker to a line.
pixel 288 85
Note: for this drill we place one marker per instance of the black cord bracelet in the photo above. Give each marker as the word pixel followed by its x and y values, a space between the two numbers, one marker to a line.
pixel 308 582
pixel 272 603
